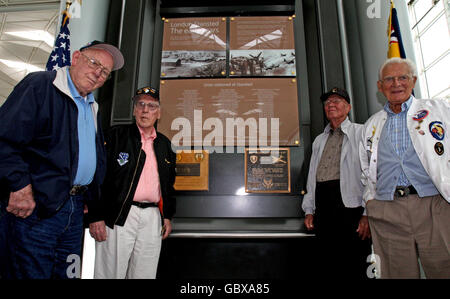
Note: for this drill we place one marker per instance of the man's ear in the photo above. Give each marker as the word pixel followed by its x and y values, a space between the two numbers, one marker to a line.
pixel 380 85
pixel 75 56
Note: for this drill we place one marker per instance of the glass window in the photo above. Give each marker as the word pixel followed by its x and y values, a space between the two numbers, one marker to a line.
pixel 430 29
pixel 437 83
pixel 429 15
pixel 435 41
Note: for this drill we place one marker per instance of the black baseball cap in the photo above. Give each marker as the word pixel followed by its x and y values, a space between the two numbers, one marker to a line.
pixel 337 91
pixel 147 90
pixel 115 52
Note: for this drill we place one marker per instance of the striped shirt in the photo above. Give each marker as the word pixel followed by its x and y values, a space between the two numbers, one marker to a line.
pixel 399 135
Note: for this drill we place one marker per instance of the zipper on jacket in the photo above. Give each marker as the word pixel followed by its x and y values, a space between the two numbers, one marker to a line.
pixel 131 185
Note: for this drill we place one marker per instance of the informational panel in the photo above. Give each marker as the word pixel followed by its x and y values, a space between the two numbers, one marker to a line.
pixel 267 170
pixel 262 46
pixel 194 47
pixel 230 112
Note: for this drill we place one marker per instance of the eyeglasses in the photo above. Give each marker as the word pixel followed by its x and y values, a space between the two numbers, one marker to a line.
pixel 390 80
pixel 95 65
pixel 151 105
pixel 333 100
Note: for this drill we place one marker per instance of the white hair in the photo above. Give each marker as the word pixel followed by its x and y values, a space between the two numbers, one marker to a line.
pixel 396 60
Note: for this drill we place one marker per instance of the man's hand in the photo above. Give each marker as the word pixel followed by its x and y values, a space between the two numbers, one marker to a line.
pixel 21 202
pixel 363 228
pixel 98 230
pixel 309 222
pixel 166 229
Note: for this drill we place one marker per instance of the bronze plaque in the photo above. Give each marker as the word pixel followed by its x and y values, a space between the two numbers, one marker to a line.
pixel 267 171
pixel 192 170
pixel 188 169
pixel 257 112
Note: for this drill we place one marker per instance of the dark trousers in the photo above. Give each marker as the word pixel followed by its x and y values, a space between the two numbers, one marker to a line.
pixel 3 240
pixel 46 248
pixel 342 252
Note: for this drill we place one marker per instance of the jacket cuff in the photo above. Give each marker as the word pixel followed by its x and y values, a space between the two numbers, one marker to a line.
pixel 19 182
pixel 94 213
pixel 309 211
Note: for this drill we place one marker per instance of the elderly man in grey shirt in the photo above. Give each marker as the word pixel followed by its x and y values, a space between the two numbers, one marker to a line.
pixel 333 202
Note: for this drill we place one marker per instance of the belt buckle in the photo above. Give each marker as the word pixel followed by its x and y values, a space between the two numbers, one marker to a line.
pixel 402 191
pixel 73 190
pixel 76 189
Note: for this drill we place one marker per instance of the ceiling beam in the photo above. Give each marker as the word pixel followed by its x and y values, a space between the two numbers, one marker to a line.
pixel 30 6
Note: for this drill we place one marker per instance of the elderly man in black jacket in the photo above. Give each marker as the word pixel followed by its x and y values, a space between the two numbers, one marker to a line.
pixel 137 202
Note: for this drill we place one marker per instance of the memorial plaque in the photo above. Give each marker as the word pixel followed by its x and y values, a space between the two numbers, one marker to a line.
pixel 267 171
pixel 192 170
pixel 257 112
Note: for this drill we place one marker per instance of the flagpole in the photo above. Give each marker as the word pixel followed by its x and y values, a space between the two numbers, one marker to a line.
pixel 66 12
pixel 62 7
pixel 60 55
pixel 391 5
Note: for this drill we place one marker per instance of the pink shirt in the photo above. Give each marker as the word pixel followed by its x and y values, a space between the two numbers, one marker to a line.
pixel 148 188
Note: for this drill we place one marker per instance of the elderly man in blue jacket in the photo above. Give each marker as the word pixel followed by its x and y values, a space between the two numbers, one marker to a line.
pixel 52 163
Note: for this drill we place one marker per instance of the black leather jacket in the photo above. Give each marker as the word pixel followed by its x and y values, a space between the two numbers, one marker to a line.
pixel 124 141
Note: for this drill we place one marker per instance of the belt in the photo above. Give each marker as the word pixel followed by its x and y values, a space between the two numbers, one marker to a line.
pixel 78 189
pixel 144 205
pixel 402 191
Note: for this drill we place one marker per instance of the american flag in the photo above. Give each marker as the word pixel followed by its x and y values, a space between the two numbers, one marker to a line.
pixel 60 55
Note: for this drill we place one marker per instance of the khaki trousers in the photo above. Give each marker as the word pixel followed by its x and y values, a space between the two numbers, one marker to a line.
pixel 409 228
pixel 131 251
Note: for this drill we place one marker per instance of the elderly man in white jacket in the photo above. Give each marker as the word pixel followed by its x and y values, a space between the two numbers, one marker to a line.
pixel 405 160
pixel 333 202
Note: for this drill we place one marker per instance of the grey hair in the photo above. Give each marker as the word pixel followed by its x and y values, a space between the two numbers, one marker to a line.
pixel 412 70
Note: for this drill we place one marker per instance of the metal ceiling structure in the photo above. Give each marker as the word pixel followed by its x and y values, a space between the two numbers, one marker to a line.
pixel 24 15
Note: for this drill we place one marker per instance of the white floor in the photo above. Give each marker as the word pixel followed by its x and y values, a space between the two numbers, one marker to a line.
pixel 87 267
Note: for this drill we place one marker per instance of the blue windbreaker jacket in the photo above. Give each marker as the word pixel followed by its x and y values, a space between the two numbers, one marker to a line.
pixel 39 141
